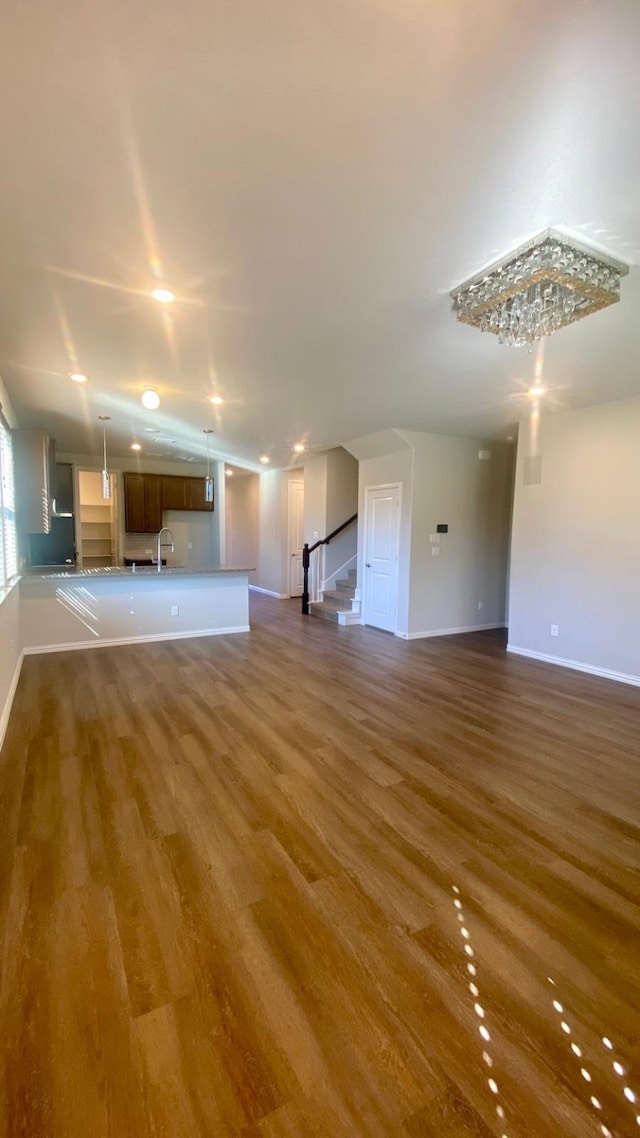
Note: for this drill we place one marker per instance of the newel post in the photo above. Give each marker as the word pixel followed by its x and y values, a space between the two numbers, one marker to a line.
pixel 305 581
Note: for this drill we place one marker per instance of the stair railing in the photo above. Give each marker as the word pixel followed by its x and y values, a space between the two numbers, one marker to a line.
pixel 307 550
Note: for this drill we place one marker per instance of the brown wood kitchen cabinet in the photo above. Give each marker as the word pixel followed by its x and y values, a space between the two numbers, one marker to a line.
pixel 196 495
pixel 147 495
pixel 142 503
pixel 175 492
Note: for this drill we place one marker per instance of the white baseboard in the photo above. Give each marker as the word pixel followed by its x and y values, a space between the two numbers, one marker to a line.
pixel 449 631
pixel 8 703
pixel 576 666
pixel 270 593
pixel 114 642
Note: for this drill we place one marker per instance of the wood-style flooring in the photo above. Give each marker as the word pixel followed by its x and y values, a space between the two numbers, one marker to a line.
pixel 314 882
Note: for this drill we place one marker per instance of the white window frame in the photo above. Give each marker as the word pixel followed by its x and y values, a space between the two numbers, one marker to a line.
pixel 8 532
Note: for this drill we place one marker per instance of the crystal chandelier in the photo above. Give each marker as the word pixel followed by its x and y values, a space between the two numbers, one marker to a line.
pixel 542 286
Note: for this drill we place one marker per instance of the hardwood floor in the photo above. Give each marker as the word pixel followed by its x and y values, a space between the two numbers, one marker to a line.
pixel 314 882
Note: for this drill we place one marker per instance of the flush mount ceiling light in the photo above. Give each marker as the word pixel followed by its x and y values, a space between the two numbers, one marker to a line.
pixel 105 478
pixel 216 400
pixel 150 399
pixel 228 473
pixel 78 377
pixel 163 295
pixel 544 285
pixel 264 459
pixel 299 448
pixel 537 390
pixel 136 446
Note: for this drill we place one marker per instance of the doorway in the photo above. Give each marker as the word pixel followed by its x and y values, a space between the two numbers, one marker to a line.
pixel 381 550
pixel 296 536
pixel 95 520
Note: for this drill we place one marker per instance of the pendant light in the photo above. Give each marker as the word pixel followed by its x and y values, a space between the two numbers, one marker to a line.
pixel 106 480
pixel 208 482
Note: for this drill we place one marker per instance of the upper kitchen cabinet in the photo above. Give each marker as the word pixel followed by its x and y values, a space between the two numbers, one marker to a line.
pixel 196 495
pixel 175 492
pixel 182 492
pixel 147 495
pixel 32 469
pixel 142 503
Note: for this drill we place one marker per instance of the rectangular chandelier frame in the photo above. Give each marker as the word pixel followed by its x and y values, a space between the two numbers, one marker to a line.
pixel 591 278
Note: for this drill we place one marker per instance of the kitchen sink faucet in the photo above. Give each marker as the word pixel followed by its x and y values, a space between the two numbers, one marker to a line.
pixel 164 544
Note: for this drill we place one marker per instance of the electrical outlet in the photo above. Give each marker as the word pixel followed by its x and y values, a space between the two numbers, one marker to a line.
pixel 435 550
pixel 480 606
pixel 175 610
pixel 554 630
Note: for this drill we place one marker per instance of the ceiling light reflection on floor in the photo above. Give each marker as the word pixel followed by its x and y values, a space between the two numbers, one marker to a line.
pixel 478 1007
pixel 586 1074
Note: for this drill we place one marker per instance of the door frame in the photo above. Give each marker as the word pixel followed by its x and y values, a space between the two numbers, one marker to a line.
pixel 368 490
pixel 290 553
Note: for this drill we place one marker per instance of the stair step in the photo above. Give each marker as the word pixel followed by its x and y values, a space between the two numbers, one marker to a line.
pixel 327 612
pixel 337 599
pixel 346 587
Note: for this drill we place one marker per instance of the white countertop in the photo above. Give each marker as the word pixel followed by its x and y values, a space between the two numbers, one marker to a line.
pixel 55 572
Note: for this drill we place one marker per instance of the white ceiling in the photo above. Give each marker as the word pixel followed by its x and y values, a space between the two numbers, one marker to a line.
pixel 311 179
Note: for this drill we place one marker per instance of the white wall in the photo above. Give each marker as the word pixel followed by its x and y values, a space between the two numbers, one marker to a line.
pixel 443 480
pixel 5 405
pixel 315 498
pixel 342 503
pixel 273 530
pixel 575 557
pixel 241 517
pixel 10 652
pixel 452 485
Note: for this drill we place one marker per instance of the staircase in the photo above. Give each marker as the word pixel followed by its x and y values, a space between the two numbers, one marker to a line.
pixel 340 604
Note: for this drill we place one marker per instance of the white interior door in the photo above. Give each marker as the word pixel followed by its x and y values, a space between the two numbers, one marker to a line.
pixel 381 547
pixel 296 537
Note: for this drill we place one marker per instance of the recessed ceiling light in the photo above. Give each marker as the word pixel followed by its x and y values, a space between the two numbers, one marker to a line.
pixel 264 459
pixel 228 473
pixel 163 295
pixel 78 377
pixel 299 447
pixel 136 446
pixel 152 430
pixel 537 390
pixel 150 398
pixel 217 399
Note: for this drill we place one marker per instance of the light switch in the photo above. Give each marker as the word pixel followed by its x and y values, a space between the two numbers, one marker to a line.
pixel 434 538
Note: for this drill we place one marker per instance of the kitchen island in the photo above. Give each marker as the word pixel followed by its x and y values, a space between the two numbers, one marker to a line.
pixel 61 609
